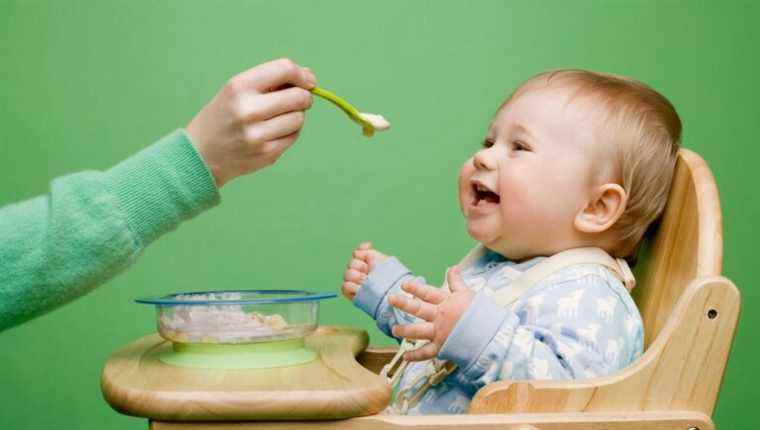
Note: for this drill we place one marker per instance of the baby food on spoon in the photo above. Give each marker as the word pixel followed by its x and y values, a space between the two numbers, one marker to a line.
pixel 370 122
pixel 378 121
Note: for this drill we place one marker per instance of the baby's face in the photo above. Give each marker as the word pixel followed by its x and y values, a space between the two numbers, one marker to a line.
pixel 521 191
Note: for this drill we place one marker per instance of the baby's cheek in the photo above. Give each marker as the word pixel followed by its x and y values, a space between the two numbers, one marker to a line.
pixel 515 195
pixel 465 173
pixel 530 193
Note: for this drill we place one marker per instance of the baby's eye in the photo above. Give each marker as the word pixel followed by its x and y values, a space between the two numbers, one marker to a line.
pixel 520 146
pixel 488 143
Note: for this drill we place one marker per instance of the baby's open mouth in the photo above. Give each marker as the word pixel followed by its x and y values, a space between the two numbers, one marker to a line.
pixel 482 193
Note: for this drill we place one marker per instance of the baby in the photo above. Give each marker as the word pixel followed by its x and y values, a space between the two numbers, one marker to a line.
pixel 572 160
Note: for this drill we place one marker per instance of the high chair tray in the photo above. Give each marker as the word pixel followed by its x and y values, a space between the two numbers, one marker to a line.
pixel 333 386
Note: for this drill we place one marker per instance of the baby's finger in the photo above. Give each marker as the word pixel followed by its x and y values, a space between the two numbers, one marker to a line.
pixel 425 352
pixel 425 292
pixel 454 277
pixel 353 275
pixel 418 308
pixel 414 331
pixel 359 265
pixel 350 289
pixel 365 245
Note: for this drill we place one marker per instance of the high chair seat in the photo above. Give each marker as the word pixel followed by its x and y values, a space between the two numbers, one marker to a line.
pixel 690 313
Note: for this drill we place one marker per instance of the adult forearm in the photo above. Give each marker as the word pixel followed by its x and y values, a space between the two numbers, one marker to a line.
pixel 92 225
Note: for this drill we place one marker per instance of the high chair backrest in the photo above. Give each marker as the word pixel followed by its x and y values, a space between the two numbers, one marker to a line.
pixel 687 244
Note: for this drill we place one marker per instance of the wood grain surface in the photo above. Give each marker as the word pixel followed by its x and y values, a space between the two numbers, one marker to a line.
pixel 675 420
pixel 135 382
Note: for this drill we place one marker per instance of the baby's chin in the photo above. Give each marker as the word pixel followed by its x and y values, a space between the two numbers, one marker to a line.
pixel 482 233
pixel 493 239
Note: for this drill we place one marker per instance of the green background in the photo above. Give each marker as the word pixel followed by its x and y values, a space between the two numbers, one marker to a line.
pixel 85 84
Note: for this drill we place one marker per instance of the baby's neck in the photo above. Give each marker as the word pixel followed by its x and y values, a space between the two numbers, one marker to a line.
pixel 603 241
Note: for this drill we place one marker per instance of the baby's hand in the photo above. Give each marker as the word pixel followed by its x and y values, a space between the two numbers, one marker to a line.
pixel 364 259
pixel 253 119
pixel 439 308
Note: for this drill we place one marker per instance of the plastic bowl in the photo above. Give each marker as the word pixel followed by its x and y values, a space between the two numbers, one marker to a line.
pixel 236 317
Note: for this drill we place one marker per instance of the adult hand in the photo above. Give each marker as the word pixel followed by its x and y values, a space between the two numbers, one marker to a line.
pixel 253 119
pixel 363 260
pixel 440 310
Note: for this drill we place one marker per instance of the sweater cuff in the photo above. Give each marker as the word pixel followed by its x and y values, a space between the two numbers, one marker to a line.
pixel 162 185
pixel 475 329
pixel 377 284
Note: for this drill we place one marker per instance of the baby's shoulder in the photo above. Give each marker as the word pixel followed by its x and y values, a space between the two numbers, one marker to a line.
pixel 581 282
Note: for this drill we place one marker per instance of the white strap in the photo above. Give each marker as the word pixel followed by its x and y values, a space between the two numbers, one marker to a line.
pixel 559 261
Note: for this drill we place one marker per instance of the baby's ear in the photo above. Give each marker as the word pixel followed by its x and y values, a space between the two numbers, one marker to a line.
pixel 606 205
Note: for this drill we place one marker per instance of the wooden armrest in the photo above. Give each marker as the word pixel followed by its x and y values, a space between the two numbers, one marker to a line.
pixel 681 370
pixel 375 357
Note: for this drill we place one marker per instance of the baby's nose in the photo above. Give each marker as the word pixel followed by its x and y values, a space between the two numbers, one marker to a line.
pixel 482 161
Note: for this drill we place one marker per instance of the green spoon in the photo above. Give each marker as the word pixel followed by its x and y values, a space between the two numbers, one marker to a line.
pixel 369 122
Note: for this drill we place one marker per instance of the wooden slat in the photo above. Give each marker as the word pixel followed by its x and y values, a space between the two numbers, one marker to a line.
pixel 687 245
pixel 676 420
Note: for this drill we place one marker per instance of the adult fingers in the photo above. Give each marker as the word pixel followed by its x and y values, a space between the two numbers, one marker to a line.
pixel 414 331
pixel 359 265
pixel 274 128
pixel 418 308
pixel 454 277
pixel 425 352
pixel 353 275
pixel 425 292
pixel 278 146
pixel 310 74
pixel 273 74
pixel 273 149
pixel 260 107
pixel 365 245
pixel 350 289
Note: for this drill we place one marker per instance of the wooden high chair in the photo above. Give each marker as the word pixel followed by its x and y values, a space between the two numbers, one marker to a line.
pixel 690 314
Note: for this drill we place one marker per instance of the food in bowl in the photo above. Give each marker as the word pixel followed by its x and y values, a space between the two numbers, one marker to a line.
pixel 232 317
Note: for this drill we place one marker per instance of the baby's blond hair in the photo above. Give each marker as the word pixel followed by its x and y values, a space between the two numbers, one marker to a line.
pixel 644 132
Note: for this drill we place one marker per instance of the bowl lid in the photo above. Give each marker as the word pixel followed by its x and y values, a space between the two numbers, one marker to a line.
pixel 236 297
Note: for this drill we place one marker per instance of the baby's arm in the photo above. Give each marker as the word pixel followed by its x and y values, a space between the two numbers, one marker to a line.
pixel 573 329
pixel 369 284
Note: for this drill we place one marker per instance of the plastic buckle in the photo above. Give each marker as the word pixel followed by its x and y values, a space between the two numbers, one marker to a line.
pixel 442 373
pixel 394 369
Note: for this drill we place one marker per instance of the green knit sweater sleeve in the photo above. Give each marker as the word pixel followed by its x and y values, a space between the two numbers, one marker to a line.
pixel 92 225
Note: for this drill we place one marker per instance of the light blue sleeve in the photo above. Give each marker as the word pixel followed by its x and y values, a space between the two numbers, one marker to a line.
pixel 572 329
pixel 372 297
